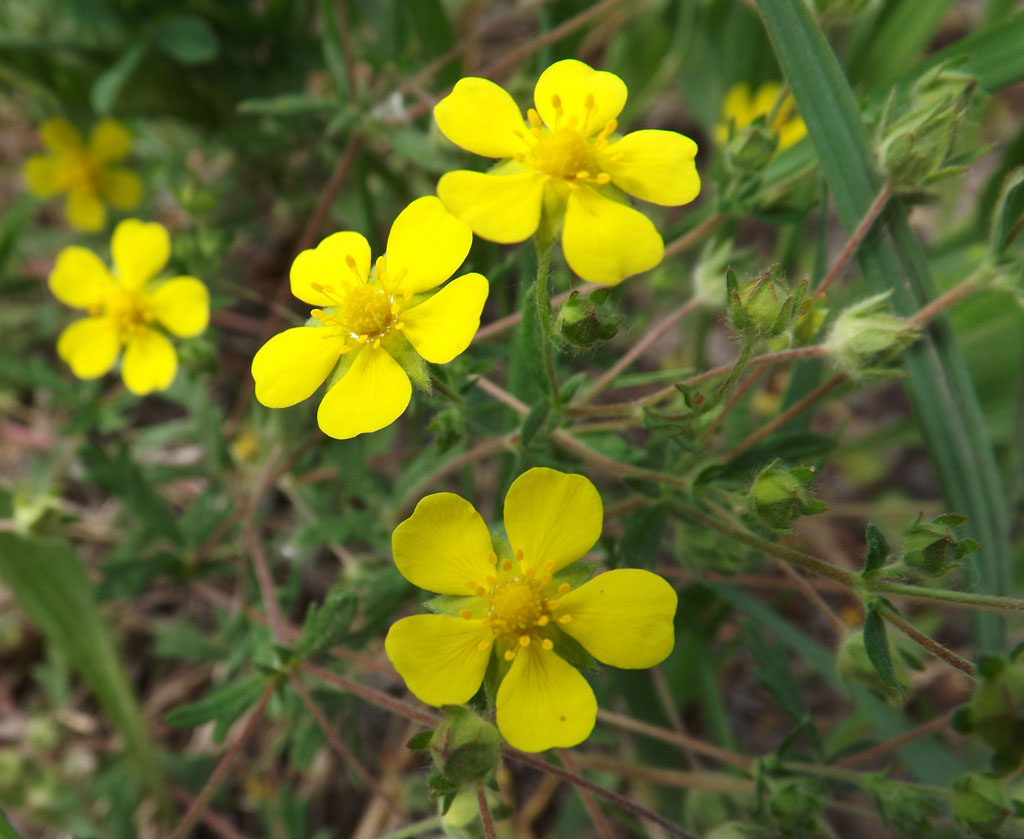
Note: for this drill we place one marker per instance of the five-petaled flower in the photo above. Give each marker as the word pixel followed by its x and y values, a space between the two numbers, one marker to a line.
pixel 371 324
pixel 125 307
pixel 741 108
pixel 84 171
pixel 567 164
pixel 516 604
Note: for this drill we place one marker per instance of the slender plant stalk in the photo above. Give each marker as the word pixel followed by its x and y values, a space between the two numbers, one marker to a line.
pixel 856 237
pixel 542 298
pixel 923 640
pixel 485 813
pixel 587 797
pixel 884 749
pixel 693 237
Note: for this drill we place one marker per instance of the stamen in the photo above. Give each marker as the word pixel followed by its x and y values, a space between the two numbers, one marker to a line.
pixel 589 103
pixel 617 158
pixel 483 645
pixel 565 619
pixel 492 581
pixel 609 128
pixel 545 579
pixel 530 572
pixel 603 178
pixel 506 565
pixel 465 613
pixel 480 591
pixel 351 263
pixel 519 556
pixel 552 605
pixel 492 558
pixel 543 620
pixel 471 585
pixel 582 175
pixel 524 640
pixel 547 644
pixel 509 655
pixel 564 589
pixel 534 117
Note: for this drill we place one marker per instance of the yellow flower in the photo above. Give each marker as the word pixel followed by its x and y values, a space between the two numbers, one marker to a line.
pixel 742 108
pixel 373 327
pixel 124 308
pixel 566 160
pixel 517 605
pixel 84 171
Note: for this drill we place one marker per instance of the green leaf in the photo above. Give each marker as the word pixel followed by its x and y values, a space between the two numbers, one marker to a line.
pixel 420 742
pixel 225 705
pixel 773 671
pixel 939 385
pixel 7 830
pixel 1008 219
pixel 535 421
pixel 642 538
pixel 107 87
pixel 187 38
pixel 876 643
pixel 50 583
pixel 327 625
pixel 878 549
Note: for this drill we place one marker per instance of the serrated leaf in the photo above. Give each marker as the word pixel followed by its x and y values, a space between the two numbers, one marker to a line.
pixel 876 643
pixel 107 87
pixel 420 742
pixel 224 705
pixel 188 38
pixel 328 624
pixel 878 549
pixel 535 421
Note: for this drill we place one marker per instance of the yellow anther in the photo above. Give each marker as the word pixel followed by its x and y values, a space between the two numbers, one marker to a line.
pixel 534 117
pixel 506 565
pixel 617 158
pixel 556 102
pixel 551 605
pixel 589 103
pixel 543 620
pixel 524 640
pixel 530 572
pixel 465 613
pixel 361 338
pixel 480 591
pixel 603 178
pixel 609 127
pixel 376 343
pixel 491 581
pixel 483 645
pixel 350 261
pixel 564 588
pixel 547 644
pixel 399 326
pixel 549 565
pixel 545 579
pixel 344 349
pixel 565 619
pixel 572 186
pixel 492 558
pixel 582 175
pixel 509 655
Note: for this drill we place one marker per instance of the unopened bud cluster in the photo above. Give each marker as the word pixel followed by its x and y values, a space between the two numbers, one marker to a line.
pixel 867 336
pixel 765 306
pixel 778 495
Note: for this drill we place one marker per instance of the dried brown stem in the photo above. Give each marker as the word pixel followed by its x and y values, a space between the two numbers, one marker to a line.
pixel 863 228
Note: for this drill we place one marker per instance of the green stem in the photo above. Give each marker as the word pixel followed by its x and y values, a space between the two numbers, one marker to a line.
pixel 983 601
pixel 730 380
pixel 542 297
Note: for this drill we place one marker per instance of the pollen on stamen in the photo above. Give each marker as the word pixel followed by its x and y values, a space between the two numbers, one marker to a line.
pixel 483 645
pixel 590 103
pixel 564 588
pixel 534 117
pixel 543 620
pixel 506 565
pixel 603 178
pixel 565 619
pixel 492 558
pixel 480 591
pixel 465 613
pixel 509 655
pixel 492 581
pixel 617 158
pixel 519 556
pixel 547 644
pixel 551 605
pixel 530 572
pixel 524 640
pixel 582 175
pixel 545 579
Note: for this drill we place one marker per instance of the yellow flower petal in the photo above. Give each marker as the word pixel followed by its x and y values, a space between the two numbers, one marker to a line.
pixel 552 517
pixel 44 175
pixel 657 166
pixel 571 89
pixel 121 188
pixel 443 546
pixel 623 617
pixel 764 99
pixel 182 305
pixel 60 136
pixel 140 250
pixel 425 246
pixel 605 241
pixel 791 129
pixel 544 703
pixel 89 346
pixel 328 265
pixel 738 106
pixel 481 117
pixel 150 362
pixel 501 208
pixel 109 140
pixel 79 278
pixel 371 395
pixel 439 656
pixel 443 326
pixel 85 211
pixel 293 364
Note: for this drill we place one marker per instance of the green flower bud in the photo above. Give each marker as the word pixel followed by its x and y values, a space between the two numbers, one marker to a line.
pixel 980 803
pixel 855 668
pixel 750 148
pixel 465 748
pixel 795 804
pixel 581 322
pixel 932 548
pixel 777 495
pixel 462 818
pixel 866 336
pixel 903 807
pixel 765 306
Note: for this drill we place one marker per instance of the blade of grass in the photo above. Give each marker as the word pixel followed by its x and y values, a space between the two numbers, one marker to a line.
pixel 50 583
pixel 939 385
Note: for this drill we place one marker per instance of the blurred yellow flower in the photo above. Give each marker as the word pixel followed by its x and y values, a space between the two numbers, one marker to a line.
pixel 567 163
pixel 520 607
pixel 125 307
pixel 741 108
pixel 372 327
pixel 84 171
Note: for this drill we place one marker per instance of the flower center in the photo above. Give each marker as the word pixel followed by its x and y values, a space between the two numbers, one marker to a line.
pixel 127 309
pixel 366 310
pixel 562 150
pixel 521 605
pixel 82 174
